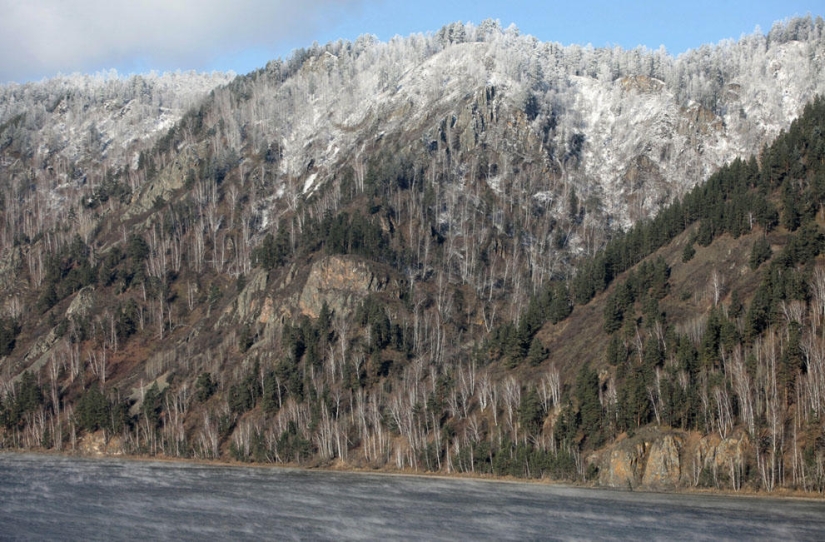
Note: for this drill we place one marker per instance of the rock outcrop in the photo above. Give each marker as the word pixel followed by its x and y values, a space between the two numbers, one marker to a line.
pixel 100 444
pixel 340 282
pixel 171 178
pixel 83 303
pixel 651 460
pixel 622 467
pixel 663 467
pixel 43 348
pixel 716 453
pixel 251 300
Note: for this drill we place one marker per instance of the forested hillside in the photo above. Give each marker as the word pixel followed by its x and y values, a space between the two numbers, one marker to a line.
pixel 462 252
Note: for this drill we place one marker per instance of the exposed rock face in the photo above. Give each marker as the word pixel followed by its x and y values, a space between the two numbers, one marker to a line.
pixel 169 179
pixel 82 303
pixel 251 300
pixel 641 173
pixel 38 354
pixel 641 84
pixel 663 468
pixel 622 468
pixel 97 444
pixel 651 460
pixel 715 452
pixel 340 282
pixel 700 120
pixel 644 185
pixel 42 349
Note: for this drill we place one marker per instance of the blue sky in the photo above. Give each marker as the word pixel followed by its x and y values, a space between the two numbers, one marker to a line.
pixel 40 38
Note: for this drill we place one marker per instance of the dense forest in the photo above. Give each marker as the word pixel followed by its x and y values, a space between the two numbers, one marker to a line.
pixel 460 295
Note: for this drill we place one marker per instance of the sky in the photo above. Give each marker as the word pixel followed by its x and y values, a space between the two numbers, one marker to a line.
pixel 44 38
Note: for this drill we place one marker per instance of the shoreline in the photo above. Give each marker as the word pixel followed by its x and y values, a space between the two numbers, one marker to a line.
pixel 779 494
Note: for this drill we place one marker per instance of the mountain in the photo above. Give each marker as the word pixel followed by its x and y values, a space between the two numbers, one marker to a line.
pixel 414 255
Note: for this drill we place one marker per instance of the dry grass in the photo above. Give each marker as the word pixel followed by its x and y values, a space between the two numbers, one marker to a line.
pixel 581 339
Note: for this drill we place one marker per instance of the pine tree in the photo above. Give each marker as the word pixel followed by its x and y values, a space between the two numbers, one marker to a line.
pixel 590 409
pixel 531 414
pixel 537 353
pixel 688 253
pixel 760 253
pixel 560 306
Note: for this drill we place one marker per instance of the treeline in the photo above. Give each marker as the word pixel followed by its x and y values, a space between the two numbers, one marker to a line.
pixel 753 365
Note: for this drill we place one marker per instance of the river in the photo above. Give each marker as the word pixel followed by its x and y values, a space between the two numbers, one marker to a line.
pixel 68 498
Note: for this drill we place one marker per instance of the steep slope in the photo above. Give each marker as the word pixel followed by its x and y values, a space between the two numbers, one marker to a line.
pixel 349 256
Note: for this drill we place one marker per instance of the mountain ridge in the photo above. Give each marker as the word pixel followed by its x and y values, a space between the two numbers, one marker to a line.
pixel 293 272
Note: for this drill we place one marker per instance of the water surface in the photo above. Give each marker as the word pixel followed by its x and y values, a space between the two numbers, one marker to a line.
pixel 66 498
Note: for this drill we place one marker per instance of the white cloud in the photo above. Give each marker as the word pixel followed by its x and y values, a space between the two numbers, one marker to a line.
pixel 43 37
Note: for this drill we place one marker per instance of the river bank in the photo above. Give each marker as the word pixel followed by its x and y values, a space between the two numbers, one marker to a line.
pixel 341 467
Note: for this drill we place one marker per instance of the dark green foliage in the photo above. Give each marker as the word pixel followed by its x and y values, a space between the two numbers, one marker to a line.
pixel 736 307
pixel 705 234
pixel 152 406
pixel 246 338
pixel 590 409
pixel 785 279
pixel 573 206
pixel 274 250
pixel 137 249
pixel 93 410
pixel 127 319
pixel 272 395
pixel 294 341
pixel 48 298
pixel 205 387
pixel 531 414
pixel 657 278
pixel 348 234
pixel 564 431
pixel 9 329
pixel 791 218
pixel 560 305
pixel 634 404
pixel 372 315
pixel 760 312
pixel 293 445
pixel 108 272
pixel 803 247
pixel 760 253
pixel 325 321
pixel 616 353
pixel 214 294
pixel 613 314
pixel 620 303
pixel 654 354
pixel 244 395
pixel 537 352
pixel 112 187
pixel 515 341
pixel 65 272
pixel 532 108
pixel 28 397
pixel 792 361
pixel 288 374
pixel 119 417
pixel 688 253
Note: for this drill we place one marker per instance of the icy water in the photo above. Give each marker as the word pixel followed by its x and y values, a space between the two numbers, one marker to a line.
pixel 62 498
